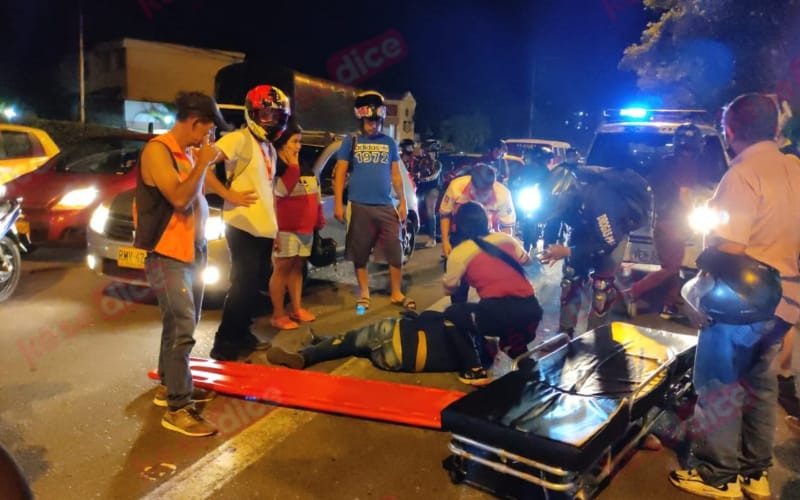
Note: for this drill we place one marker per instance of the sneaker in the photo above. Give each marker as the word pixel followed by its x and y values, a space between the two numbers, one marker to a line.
pixel 756 488
pixel 188 422
pixel 282 357
pixel 787 395
pixel 430 243
pixel 671 313
pixel 284 323
pixel 691 482
pixel 253 343
pixel 198 395
pixel 303 315
pixel 476 377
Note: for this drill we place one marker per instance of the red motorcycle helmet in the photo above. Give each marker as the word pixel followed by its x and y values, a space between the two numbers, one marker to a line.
pixel 267 112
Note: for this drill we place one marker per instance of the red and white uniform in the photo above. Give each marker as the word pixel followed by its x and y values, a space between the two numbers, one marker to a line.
pixel 497 202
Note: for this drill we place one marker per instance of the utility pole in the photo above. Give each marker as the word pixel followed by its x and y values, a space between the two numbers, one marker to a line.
pixel 532 110
pixel 80 63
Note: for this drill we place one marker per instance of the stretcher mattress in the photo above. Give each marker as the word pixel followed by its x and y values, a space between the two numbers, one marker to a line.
pixel 571 405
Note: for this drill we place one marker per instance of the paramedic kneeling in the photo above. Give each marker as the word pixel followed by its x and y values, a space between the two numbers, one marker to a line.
pixel 492 264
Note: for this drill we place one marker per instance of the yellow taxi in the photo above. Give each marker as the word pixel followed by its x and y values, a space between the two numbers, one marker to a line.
pixel 22 150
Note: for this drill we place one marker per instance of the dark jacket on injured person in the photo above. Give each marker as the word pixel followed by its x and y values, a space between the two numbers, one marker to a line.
pixel 404 344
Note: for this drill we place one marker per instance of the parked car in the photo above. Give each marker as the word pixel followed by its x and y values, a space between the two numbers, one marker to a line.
pixel 639 139
pixel 59 197
pixel 110 235
pixel 526 148
pixel 23 150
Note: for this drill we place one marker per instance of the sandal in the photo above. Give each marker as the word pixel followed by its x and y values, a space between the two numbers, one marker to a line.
pixel 302 315
pixel 283 323
pixel 363 302
pixel 406 303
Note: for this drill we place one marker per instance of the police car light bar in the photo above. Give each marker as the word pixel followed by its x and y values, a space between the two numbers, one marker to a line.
pixel 647 114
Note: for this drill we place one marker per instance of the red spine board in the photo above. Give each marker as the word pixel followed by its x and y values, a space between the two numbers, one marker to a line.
pixel 355 397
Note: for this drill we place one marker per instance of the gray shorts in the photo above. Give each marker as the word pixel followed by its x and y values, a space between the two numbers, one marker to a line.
pixel 370 225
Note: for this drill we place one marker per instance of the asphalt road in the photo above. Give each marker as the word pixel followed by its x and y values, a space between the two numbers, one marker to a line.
pixel 76 411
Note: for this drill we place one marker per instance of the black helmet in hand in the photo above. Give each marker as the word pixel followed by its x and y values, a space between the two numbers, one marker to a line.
pixel 735 289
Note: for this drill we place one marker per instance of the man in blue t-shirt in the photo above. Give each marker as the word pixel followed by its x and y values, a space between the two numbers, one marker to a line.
pixel 372 159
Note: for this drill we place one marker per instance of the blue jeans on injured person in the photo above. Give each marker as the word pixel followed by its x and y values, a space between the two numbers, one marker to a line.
pixel 734 419
pixel 179 290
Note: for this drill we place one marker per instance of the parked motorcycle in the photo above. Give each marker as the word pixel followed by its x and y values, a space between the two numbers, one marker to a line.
pixel 11 246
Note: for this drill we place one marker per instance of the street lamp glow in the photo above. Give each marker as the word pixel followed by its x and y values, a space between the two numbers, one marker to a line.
pixel 10 113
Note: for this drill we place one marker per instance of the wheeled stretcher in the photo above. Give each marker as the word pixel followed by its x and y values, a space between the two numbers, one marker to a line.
pixel 568 416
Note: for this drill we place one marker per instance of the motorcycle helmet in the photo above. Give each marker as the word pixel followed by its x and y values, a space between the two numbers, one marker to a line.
pixel 370 105
pixel 431 146
pixel 323 251
pixel 688 138
pixel 267 112
pixel 407 146
pixel 735 289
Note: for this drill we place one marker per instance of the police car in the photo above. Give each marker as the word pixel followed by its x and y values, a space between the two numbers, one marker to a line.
pixel 638 138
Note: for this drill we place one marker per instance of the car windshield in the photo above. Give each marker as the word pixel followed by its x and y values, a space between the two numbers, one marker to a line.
pixel 99 156
pixel 641 151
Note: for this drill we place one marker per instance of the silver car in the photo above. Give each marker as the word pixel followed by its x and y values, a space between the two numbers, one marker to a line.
pixel 110 236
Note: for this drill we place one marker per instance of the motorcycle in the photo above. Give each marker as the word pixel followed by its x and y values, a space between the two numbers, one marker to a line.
pixel 530 223
pixel 11 246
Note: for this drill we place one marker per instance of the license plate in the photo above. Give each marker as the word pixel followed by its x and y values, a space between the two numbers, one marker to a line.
pixel 23 227
pixel 643 254
pixel 131 257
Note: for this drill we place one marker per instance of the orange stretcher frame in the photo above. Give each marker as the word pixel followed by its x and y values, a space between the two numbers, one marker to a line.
pixel 356 397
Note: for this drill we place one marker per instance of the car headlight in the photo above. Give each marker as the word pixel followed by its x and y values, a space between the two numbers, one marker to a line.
pixel 215 228
pixel 77 199
pixel 99 217
pixel 705 219
pixel 529 199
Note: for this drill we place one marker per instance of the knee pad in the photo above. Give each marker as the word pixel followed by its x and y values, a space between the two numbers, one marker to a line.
pixel 604 294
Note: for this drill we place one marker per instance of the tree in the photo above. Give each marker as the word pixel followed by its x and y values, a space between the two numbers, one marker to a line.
pixel 467 132
pixel 705 52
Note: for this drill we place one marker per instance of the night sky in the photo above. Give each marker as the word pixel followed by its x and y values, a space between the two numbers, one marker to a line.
pixel 463 56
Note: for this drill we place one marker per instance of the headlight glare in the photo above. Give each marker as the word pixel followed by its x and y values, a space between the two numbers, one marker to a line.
pixel 529 199
pixel 77 199
pixel 99 218
pixel 215 228
pixel 705 219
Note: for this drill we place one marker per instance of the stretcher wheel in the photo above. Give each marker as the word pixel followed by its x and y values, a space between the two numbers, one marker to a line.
pixel 456 470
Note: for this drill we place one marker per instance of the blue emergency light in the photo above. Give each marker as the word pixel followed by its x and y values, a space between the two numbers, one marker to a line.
pixel 633 112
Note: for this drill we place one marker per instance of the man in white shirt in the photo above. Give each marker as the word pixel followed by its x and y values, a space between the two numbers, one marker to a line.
pixel 250 229
pixel 734 372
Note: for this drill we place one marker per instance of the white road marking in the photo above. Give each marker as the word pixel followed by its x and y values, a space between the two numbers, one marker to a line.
pixel 209 474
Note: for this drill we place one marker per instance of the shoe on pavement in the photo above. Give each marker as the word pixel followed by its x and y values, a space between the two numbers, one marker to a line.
pixel 787 395
pixel 756 488
pixel 284 323
pixel 476 377
pixel 253 343
pixel 188 422
pixel 691 482
pixel 199 395
pixel 671 313
pixel 651 443
pixel 303 315
pixel 282 357
pixel 430 243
